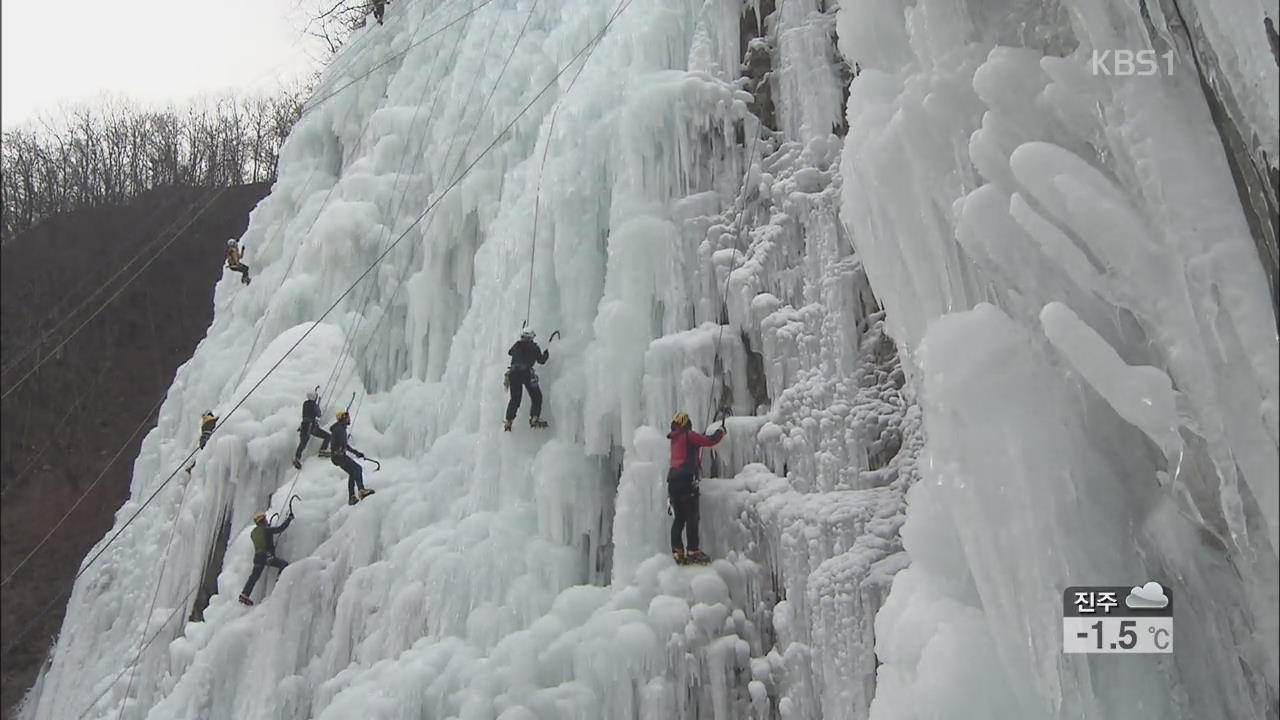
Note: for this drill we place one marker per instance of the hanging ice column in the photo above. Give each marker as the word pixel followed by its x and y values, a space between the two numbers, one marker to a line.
pixel 1113 417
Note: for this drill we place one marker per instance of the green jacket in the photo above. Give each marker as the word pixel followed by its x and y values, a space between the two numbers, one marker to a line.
pixel 264 536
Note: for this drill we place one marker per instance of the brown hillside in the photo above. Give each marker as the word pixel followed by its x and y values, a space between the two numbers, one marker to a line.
pixel 61 426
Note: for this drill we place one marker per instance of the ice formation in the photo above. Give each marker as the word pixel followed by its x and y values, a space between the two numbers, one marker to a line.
pixel 1067 374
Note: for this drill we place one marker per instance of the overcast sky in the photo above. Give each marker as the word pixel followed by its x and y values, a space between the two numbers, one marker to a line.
pixel 158 50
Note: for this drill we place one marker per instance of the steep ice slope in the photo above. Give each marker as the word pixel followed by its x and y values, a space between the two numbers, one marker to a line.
pixel 524 576
pixel 1111 414
pixel 464 587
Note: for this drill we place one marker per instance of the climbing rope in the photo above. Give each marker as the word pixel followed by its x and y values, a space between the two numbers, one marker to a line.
pixel 206 197
pixel 739 212
pixel 475 127
pixel 181 604
pixel 155 597
pixel 209 198
pixel 89 563
pixel 307 110
pixel 537 196
pixel 22 563
pixel 151 259
pixel 56 433
pixel 389 216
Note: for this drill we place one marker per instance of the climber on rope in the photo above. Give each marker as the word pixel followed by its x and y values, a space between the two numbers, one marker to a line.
pixel 682 487
pixel 234 256
pixel 338 448
pixel 264 551
pixel 520 376
pixel 379 6
pixel 208 421
pixel 311 427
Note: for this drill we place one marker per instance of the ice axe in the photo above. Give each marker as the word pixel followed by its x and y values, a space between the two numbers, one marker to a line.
pixel 375 462
pixel 289 505
pixel 552 337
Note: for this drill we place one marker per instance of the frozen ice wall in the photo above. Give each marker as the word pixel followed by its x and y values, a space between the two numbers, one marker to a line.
pixel 1107 413
pixel 462 168
pixel 1087 392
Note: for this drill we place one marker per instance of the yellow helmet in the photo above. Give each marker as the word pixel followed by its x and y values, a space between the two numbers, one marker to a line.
pixel 681 419
pixel 208 415
pixel 343 415
pixel 259 517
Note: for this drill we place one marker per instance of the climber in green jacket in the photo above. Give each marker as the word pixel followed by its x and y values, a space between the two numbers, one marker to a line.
pixel 264 550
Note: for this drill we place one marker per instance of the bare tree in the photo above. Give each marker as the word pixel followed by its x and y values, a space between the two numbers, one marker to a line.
pixel 115 150
pixel 332 21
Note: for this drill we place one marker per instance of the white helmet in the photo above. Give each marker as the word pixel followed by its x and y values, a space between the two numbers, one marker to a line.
pixel 231 242
pixel 526 334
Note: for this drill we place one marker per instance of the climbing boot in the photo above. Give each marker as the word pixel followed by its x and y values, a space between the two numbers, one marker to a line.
pixel 697 557
pixel 678 556
pixel 364 493
pixel 352 500
pixel 535 422
pixel 244 600
pixel 506 426
pixel 297 463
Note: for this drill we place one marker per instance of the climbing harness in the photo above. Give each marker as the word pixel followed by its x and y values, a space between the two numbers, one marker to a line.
pixel 84 567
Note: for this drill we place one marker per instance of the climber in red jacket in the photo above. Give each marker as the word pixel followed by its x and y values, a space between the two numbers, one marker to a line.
pixel 682 487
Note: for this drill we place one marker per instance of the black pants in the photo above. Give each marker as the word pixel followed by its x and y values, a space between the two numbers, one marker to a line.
pixel 378 8
pixel 355 474
pixel 304 435
pixel 518 381
pixel 684 508
pixel 204 438
pixel 242 269
pixel 260 561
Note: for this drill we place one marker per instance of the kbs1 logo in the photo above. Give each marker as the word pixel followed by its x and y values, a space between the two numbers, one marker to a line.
pixel 1130 63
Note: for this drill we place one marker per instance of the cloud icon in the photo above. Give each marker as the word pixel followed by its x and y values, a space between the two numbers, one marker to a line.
pixel 1148 597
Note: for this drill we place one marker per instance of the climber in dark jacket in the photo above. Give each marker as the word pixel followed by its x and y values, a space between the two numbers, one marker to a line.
pixel 682 487
pixel 264 551
pixel 310 426
pixel 339 447
pixel 208 421
pixel 520 376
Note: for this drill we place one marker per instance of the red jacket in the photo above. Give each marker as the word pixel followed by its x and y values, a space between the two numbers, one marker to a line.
pixel 685 445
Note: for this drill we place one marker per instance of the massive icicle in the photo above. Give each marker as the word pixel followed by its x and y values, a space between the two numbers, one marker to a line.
pixel 986 162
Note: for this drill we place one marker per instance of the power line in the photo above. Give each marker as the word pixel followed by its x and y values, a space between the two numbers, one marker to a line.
pixel 108 301
pixel 152 411
pixel 85 494
pixel 537 195
pixel 404 275
pixel 337 301
pixel 43 336
pixel 127 442
pixel 349 340
pixel 152 639
pixel 393 56
pixel 164 563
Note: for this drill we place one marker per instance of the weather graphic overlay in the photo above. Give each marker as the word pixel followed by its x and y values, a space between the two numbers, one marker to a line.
pixel 1136 620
